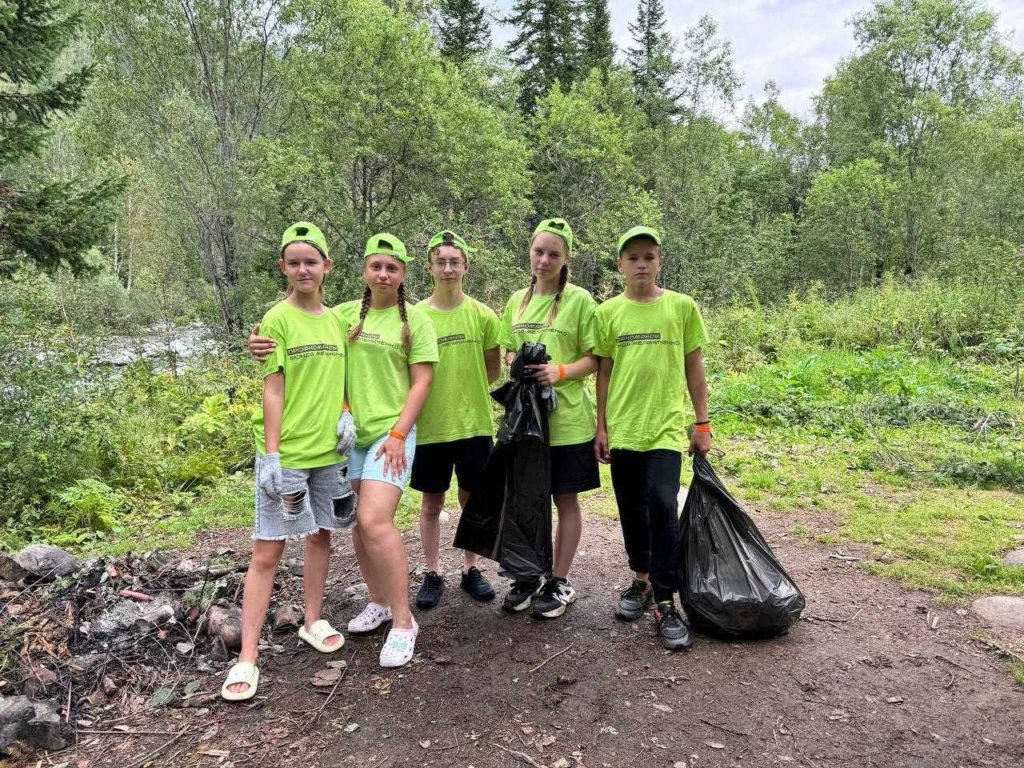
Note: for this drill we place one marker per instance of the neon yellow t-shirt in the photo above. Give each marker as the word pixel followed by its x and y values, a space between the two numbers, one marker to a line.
pixel 572 336
pixel 310 351
pixel 648 343
pixel 459 405
pixel 378 365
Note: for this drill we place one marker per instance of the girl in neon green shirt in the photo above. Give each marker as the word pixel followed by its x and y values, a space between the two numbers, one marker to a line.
pixel 560 315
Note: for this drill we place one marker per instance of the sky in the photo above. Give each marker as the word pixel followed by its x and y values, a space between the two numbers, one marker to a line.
pixel 796 43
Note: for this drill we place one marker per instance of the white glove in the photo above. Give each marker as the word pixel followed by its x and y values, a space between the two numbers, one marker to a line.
pixel 346 433
pixel 269 477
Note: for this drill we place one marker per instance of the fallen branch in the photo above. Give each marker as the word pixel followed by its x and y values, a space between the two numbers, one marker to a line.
pixel 145 758
pixel 844 558
pixel 520 756
pixel 552 656
pixel 726 729
pixel 950 661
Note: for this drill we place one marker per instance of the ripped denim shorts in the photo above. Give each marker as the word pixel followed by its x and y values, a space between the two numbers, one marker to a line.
pixel 311 499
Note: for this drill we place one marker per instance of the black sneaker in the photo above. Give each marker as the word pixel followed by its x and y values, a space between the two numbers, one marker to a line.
pixel 635 601
pixel 478 587
pixel 430 593
pixel 522 592
pixel 673 629
pixel 553 599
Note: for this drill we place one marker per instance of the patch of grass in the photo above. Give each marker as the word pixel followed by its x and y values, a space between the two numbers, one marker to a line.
pixel 1017 670
pixel 174 522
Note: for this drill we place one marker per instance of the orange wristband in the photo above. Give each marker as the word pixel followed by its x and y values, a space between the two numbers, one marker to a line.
pixel 561 373
pixel 702 428
pixel 396 434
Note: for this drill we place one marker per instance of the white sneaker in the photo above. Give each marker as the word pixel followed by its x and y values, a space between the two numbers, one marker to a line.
pixel 400 646
pixel 371 617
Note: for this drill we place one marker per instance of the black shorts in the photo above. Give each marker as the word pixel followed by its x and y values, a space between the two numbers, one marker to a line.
pixel 573 468
pixel 433 464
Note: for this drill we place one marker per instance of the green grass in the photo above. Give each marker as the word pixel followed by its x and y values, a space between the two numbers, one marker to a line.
pixel 920 456
pixel 1017 669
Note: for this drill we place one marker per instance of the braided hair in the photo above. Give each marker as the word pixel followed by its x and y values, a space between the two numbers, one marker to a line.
pixel 363 309
pixel 406 333
pixel 563 278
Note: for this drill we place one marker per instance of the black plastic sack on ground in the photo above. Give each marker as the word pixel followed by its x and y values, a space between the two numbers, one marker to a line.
pixel 730 580
pixel 508 516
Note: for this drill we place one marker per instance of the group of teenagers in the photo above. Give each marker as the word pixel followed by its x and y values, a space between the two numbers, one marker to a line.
pixel 365 398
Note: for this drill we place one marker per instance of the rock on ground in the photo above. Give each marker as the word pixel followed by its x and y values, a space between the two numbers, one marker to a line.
pixel 35 724
pixel 10 570
pixel 1001 611
pixel 1015 559
pixel 47 562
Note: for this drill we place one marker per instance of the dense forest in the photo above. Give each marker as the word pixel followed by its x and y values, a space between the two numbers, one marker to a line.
pixel 152 152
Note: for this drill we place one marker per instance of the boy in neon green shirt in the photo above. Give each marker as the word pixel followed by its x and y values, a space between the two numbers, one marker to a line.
pixel 456 423
pixel 650 342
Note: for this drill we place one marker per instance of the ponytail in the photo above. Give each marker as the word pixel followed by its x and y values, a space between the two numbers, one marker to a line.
pixel 363 309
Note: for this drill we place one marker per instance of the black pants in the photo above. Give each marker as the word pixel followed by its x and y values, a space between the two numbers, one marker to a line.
pixel 646 486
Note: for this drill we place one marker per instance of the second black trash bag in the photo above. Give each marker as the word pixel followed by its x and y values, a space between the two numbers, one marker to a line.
pixel 731 583
pixel 508 516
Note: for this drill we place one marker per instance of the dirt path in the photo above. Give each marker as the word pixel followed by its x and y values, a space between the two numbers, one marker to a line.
pixel 863 681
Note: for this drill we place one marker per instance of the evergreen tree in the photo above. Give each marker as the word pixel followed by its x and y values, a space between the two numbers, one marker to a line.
pixel 49 224
pixel 653 63
pixel 598 50
pixel 546 48
pixel 463 30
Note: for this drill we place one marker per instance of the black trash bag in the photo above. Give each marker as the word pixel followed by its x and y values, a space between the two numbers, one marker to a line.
pixel 508 515
pixel 730 580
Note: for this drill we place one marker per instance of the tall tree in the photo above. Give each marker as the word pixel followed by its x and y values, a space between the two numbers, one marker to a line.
pixel 462 28
pixel 652 60
pixel 921 65
pixel 707 72
pixel 597 49
pixel 188 85
pixel 546 46
pixel 44 222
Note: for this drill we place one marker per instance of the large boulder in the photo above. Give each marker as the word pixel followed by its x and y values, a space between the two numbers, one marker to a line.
pixel 35 724
pixel 44 561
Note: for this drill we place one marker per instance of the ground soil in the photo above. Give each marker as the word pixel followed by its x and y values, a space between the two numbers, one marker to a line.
pixel 875 675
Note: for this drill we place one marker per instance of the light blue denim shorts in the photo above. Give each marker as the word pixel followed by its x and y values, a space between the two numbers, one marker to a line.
pixel 363 465
pixel 311 499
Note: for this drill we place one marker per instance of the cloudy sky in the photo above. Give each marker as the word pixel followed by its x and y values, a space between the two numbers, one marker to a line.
pixel 794 42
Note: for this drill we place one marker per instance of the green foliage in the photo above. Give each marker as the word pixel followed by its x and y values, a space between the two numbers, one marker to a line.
pixel 462 28
pixel 652 62
pixel 546 48
pixel 49 223
pixel 90 504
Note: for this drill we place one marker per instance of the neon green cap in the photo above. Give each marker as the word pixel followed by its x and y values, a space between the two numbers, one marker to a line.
pixel 388 245
pixel 559 227
pixel 447 237
pixel 304 232
pixel 649 232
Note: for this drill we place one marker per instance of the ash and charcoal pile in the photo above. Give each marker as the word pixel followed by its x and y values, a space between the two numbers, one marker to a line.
pixel 83 643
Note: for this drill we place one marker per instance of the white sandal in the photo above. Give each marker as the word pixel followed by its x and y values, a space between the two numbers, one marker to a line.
pixel 241 672
pixel 400 646
pixel 317 636
pixel 371 617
